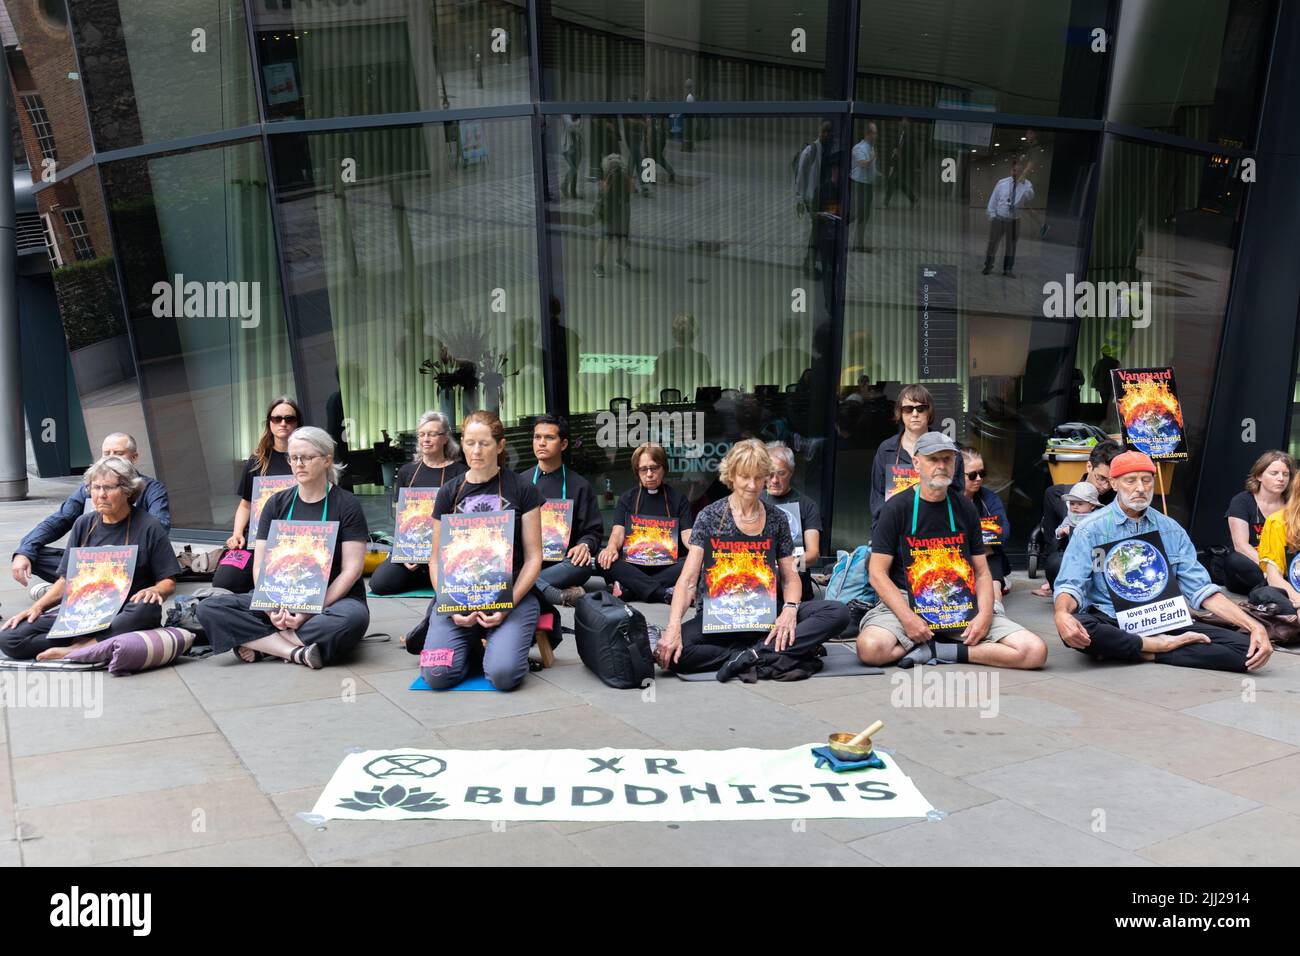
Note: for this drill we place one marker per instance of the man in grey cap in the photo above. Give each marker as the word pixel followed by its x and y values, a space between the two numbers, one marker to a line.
pixel 929 569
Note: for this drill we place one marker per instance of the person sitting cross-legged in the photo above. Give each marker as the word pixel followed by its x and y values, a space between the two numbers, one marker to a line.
pixel 1087 587
pixel 929 568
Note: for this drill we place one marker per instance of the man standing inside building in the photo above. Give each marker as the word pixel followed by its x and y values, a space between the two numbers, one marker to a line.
pixel 566 564
pixel 34 556
pixel 1006 203
pixel 863 176
pixel 1129 557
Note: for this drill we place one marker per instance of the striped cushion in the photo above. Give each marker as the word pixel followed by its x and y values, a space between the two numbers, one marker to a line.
pixel 137 650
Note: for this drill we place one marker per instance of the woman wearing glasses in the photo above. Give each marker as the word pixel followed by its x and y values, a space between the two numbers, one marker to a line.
pixel 436 464
pixel 652 527
pixel 313 640
pixel 452 641
pixel 892 471
pixel 235 570
pixel 994 523
pixel 113 485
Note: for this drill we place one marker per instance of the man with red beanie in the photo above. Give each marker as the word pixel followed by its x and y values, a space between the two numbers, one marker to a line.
pixel 1128 577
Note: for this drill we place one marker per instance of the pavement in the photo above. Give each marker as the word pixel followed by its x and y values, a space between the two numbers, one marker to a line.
pixel 210 762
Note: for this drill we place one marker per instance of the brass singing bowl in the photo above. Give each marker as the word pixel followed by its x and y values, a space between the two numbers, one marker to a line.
pixel 841 748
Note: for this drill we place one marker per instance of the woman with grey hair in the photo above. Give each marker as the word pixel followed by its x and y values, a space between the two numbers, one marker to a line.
pixel 435 464
pixel 313 640
pixel 805 517
pixel 112 485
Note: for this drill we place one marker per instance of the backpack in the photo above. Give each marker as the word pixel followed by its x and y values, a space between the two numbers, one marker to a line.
pixel 613 641
pixel 848 581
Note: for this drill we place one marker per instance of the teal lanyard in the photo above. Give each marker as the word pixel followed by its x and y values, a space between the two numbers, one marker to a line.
pixel 916 503
pixel 325 509
pixel 564 479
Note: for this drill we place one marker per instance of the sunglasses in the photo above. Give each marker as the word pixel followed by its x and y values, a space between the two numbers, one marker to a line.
pixel 913 409
pixel 972 475
pixel 283 419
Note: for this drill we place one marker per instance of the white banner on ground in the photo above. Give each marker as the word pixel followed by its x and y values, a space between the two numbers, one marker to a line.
pixel 611 784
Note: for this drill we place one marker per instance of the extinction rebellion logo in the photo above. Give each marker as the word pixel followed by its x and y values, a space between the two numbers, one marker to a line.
pixel 397 796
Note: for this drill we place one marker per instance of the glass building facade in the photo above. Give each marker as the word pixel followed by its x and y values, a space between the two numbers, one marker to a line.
pixel 739 218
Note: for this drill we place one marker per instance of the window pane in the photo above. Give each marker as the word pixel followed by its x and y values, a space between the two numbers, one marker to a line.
pixel 203 298
pixel 702 296
pixel 44 72
pixel 927 302
pixel 1192 67
pixel 328 59
pixel 422 266
pixel 1012 56
pixel 162 69
pixel 681 49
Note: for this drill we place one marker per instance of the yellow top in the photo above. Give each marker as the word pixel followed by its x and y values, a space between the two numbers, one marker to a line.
pixel 1272 543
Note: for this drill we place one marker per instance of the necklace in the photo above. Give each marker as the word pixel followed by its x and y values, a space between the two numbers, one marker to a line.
pixel 750 518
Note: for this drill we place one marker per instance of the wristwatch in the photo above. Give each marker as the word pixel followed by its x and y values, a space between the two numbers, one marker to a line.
pixel 789 604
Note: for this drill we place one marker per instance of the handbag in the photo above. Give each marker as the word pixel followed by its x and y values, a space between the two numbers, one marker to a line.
pixel 1283 629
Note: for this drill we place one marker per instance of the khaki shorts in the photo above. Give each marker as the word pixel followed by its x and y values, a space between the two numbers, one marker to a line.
pixel 882 617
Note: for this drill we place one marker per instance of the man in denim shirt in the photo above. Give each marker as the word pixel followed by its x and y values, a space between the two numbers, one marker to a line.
pixel 35 557
pixel 1085 615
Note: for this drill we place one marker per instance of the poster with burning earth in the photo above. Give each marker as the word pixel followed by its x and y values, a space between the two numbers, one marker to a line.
pixel 476 562
pixel 98 583
pixel 739 585
pixel 413 529
pixel 296 565
pixel 1150 415
pixel 991 529
pixel 941 582
pixel 264 486
pixel 899 479
pixel 557 520
pixel 651 542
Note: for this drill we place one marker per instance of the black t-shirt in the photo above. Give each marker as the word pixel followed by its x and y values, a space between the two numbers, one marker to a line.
pixel 810 516
pixel 426 477
pixel 664 502
pixel 278 465
pixel 895 523
pixel 1243 506
pixel 154 559
pixel 343 508
pixel 468 497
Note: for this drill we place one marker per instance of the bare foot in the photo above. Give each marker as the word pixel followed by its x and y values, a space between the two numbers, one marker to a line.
pixel 246 654
pixel 1163 643
pixel 59 653
pixel 1043 590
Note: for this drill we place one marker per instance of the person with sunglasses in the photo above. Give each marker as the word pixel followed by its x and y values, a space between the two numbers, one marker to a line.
pixel 652 528
pixel 1055 509
pixel 994 523
pixel 313 640
pixel 234 571
pixel 893 471
pixel 113 486
pixel 436 464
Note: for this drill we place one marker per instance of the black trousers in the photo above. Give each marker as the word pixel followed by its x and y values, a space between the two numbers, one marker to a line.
pixel 999 229
pixel 860 209
pixel 1241 575
pixel 816 623
pixel 229 623
pixel 1265 594
pixel 1226 651
pixel 27 640
pixel 390 578
pixel 1052 565
pixel 645 584
pixel 46 565
pixel 233 579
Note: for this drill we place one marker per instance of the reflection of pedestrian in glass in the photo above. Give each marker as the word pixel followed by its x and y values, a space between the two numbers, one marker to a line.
pixel 657 128
pixel 1006 203
pixel 688 120
pixel 863 175
pixel 451 132
pixel 902 164
pixel 814 188
pixel 614 210
pixel 572 150
pixel 682 366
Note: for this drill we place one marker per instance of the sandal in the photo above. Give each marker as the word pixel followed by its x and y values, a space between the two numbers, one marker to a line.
pixel 308 655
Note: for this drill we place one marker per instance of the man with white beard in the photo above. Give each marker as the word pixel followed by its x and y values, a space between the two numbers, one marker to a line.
pixel 1127 577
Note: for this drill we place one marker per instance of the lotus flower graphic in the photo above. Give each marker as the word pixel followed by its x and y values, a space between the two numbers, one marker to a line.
pixel 395 797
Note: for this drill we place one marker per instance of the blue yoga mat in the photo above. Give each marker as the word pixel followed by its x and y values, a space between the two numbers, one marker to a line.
pixel 422 593
pixel 477 682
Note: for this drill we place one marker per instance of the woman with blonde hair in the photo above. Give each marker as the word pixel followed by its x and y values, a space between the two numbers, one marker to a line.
pixel 1279 555
pixel 652 527
pixel 1267 491
pixel 741 565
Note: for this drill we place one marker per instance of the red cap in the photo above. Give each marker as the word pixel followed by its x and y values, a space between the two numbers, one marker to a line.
pixel 1131 461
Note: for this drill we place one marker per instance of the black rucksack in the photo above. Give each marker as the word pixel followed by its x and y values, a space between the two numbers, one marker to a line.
pixel 613 641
